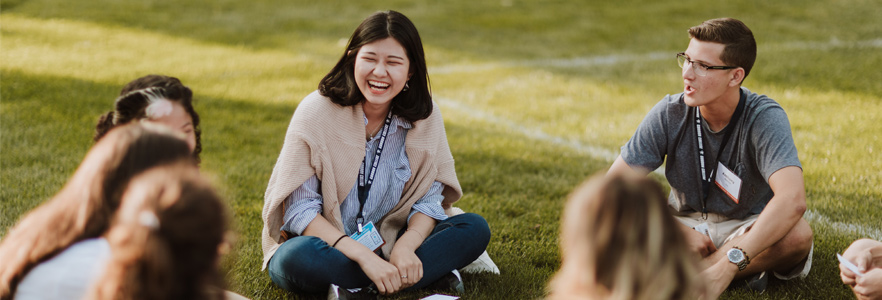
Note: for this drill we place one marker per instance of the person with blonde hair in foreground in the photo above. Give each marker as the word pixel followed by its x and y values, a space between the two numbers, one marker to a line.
pixel 618 241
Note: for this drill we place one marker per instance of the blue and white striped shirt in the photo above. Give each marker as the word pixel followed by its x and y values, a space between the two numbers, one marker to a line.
pixel 393 171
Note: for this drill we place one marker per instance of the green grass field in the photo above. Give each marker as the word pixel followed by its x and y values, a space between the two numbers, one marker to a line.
pixel 536 96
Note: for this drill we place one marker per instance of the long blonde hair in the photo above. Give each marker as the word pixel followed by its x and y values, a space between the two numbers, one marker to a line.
pixel 83 207
pixel 619 241
pixel 165 239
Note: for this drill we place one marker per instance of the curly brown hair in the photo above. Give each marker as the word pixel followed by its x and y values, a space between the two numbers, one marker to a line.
pixel 132 106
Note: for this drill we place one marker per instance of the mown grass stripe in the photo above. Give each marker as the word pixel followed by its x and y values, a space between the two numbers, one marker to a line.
pixel 606 60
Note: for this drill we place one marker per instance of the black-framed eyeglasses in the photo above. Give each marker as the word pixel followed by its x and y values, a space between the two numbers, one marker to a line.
pixel 699 68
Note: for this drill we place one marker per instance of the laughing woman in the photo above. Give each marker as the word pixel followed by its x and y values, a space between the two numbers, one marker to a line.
pixel 358 195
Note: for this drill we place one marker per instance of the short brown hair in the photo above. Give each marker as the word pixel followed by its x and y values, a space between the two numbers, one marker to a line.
pixel 740 47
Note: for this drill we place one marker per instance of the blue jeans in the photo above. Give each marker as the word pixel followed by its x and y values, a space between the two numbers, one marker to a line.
pixel 308 264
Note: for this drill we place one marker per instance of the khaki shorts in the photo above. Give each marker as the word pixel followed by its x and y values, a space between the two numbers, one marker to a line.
pixel 721 230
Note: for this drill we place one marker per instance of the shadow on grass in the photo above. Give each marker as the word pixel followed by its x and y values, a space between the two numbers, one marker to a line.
pixel 47 127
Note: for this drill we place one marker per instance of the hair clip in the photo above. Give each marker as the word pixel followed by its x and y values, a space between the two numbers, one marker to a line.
pixel 158 109
pixel 157 104
pixel 149 220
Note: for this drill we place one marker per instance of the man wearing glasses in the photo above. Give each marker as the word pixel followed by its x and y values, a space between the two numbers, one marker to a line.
pixel 736 180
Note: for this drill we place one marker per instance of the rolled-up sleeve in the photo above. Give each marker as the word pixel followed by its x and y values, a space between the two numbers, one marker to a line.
pixel 302 206
pixel 430 204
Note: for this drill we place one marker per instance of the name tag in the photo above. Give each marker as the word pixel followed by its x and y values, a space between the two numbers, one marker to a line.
pixel 369 237
pixel 728 181
pixel 702 228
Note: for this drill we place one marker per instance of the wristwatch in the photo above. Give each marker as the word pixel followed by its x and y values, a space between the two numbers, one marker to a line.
pixel 738 257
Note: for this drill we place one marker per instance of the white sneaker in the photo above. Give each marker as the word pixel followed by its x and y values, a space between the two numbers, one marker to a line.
pixel 482 264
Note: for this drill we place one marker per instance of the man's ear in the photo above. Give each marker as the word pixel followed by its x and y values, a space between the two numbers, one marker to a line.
pixel 737 77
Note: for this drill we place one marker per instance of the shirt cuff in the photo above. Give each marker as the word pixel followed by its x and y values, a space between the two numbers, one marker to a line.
pixel 302 206
pixel 430 204
pixel 298 223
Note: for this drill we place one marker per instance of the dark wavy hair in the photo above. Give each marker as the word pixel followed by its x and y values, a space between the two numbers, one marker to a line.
pixel 132 106
pixel 413 104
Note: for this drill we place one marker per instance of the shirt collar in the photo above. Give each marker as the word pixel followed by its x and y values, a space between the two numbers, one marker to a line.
pixel 396 123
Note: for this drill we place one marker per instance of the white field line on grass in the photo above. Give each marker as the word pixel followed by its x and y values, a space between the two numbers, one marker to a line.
pixel 604 60
pixel 532 132
pixel 576 62
pixel 606 154
pixel 833 43
pixel 844 228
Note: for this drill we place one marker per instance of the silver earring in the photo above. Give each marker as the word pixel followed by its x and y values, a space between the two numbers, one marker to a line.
pixel 406 87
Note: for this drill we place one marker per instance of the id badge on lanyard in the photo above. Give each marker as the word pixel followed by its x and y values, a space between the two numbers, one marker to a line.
pixel 728 181
pixel 369 237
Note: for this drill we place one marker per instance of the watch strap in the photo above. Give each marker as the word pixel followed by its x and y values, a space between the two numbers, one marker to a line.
pixel 743 263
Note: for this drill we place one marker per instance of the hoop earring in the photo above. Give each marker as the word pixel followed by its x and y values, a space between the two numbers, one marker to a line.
pixel 406 87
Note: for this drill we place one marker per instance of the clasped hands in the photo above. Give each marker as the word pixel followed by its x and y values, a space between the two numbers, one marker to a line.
pixel 403 270
pixel 867 256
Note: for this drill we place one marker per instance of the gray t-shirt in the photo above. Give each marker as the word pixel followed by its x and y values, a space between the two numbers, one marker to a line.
pixel 760 145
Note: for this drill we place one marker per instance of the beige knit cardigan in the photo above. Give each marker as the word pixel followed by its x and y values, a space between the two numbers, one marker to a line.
pixel 327 140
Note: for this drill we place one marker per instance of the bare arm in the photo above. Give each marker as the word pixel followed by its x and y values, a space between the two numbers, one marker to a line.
pixel 419 227
pixel 620 166
pixel 403 254
pixel 780 215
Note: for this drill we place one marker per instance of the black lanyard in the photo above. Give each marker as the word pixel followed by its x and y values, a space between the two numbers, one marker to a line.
pixel 707 176
pixel 364 184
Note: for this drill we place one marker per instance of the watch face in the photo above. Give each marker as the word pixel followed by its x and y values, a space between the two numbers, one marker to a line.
pixel 735 255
